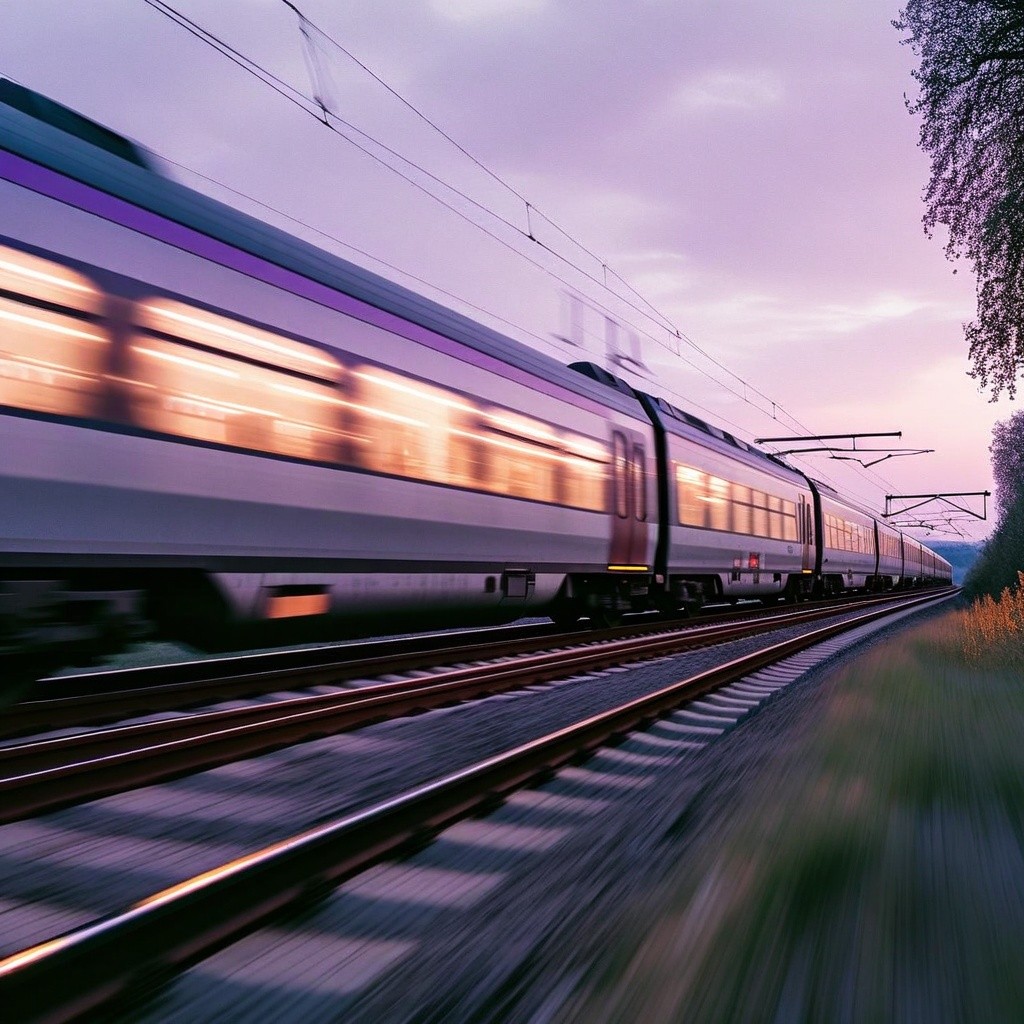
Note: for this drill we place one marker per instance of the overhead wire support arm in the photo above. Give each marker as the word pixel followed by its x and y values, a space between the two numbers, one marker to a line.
pixel 920 500
pixel 826 437
pixel 848 454
pixel 845 454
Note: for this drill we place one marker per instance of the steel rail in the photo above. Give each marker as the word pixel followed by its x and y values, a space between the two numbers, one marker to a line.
pixel 46 774
pixel 128 954
pixel 122 693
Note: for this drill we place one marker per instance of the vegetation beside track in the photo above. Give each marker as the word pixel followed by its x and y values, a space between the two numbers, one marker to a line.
pixel 872 868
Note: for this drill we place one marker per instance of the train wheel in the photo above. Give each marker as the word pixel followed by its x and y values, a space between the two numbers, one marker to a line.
pixel 606 618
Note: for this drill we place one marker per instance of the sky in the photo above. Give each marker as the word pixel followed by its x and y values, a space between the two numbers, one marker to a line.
pixel 748 168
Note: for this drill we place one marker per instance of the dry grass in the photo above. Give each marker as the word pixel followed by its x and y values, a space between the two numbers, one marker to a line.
pixel 992 632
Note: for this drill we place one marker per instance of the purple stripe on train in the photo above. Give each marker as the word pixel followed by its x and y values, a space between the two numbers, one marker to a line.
pixel 46 182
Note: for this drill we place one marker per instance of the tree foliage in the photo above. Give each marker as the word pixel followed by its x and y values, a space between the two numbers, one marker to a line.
pixel 971 101
pixel 1003 555
pixel 1007 450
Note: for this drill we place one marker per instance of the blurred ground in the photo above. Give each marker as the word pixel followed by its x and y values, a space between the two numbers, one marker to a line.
pixel 862 860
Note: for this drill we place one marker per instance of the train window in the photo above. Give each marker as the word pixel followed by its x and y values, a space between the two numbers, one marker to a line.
pixel 790 531
pixel 638 469
pixel 742 514
pixel 775 517
pixel 690 496
pixel 52 354
pixel 717 498
pixel 711 501
pixel 584 474
pixel 620 474
pixel 166 316
pixel 404 427
pixel 524 456
pixel 178 387
pixel 759 501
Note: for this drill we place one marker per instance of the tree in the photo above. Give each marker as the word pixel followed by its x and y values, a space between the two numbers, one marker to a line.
pixel 1007 450
pixel 971 78
pixel 1003 555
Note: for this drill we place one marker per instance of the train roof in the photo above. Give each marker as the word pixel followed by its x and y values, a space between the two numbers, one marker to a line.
pixel 96 158
pixel 686 424
pixel 42 108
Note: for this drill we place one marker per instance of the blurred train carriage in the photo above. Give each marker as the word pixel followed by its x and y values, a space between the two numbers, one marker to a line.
pixel 207 423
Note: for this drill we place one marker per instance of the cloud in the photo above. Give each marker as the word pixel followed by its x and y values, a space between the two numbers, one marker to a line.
pixel 659 275
pixel 773 317
pixel 729 90
pixel 465 11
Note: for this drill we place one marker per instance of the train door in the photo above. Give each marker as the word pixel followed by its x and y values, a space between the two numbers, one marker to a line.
pixel 805 522
pixel 629 500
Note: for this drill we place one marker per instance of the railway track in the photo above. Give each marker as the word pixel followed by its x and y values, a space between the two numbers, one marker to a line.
pixel 89 698
pixel 157 936
pixel 44 774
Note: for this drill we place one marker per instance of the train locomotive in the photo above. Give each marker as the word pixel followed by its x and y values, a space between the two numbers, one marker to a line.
pixel 209 428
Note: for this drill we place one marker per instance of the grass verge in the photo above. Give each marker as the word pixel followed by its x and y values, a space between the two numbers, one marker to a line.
pixel 872 869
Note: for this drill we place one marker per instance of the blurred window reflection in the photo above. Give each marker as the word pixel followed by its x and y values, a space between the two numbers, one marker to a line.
pixel 178 386
pixel 584 474
pixel 690 494
pixel 53 354
pixel 846 536
pixel 408 428
pixel 789 524
pixel 717 497
pixel 718 504
pixel 197 374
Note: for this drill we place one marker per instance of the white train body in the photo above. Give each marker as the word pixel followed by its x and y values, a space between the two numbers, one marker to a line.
pixel 224 424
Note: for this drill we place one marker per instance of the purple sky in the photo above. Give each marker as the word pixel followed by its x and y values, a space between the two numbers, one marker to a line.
pixel 749 168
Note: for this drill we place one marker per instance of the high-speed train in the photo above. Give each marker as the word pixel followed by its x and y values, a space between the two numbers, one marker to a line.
pixel 206 423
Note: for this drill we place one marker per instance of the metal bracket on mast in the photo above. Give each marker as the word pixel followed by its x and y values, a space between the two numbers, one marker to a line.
pixel 946 511
pixel 845 454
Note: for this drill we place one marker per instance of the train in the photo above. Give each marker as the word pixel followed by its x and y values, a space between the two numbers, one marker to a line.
pixel 212 429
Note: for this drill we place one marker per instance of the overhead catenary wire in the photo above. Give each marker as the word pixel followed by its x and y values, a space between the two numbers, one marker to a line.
pixel 689 402
pixel 314 107
pixel 659 317
pixel 307 104
pixel 306 24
